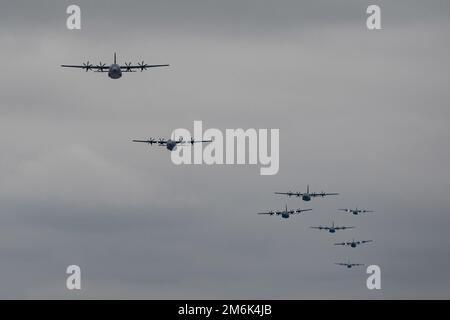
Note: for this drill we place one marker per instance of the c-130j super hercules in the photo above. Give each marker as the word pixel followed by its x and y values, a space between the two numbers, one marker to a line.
pixel 307 196
pixel 115 70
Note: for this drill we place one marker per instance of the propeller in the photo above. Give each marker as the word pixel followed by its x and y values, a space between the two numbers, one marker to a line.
pixel 192 140
pixel 128 65
pixel 151 141
pixel 101 65
pixel 161 141
pixel 87 66
pixel 142 65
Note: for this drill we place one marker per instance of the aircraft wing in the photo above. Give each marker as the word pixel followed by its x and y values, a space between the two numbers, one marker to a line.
pixel 299 211
pixel 87 67
pixel 366 211
pixel 198 141
pixel 366 241
pixel 142 67
pixel 340 244
pixel 290 193
pixel 356 264
pixel 73 66
pixel 323 194
pixel 345 210
pixel 158 142
pixel 320 228
pixel 343 228
pixel 340 264
pixel 269 213
pixel 187 142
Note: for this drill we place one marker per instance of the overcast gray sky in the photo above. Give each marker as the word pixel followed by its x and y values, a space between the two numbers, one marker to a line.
pixel 363 113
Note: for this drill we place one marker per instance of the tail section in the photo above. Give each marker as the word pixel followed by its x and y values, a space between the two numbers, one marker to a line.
pixel 115 60
pixel 307 189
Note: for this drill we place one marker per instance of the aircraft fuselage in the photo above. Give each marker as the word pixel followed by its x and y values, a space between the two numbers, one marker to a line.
pixel 114 71
pixel 171 145
pixel 285 215
pixel 306 197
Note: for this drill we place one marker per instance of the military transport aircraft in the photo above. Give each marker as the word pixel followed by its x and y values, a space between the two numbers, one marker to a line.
pixel 115 70
pixel 348 264
pixel 353 243
pixel 285 213
pixel 308 195
pixel 355 211
pixel 171 144
pixel 332 229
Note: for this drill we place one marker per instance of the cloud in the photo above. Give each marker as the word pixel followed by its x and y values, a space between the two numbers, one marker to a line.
pixel 360 113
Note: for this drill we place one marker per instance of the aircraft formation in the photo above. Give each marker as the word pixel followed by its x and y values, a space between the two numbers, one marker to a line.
pixel 307 196
pixel 115 71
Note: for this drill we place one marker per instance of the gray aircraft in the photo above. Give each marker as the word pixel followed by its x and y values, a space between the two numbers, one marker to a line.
pixel 348 264
pixel 171 144
pixel 285 213
pixel 353 243
pixel 355 211
pixel 308 195
pixel 332 229
pixel 115 70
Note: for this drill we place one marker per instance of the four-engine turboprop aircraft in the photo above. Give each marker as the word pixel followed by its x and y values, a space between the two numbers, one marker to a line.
pixel 348 264
pixel 115 70
pixel 355 211
pixel 285 213
pixel 307 196
pixel 332 229
pixel 353 243
pixel 171 144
